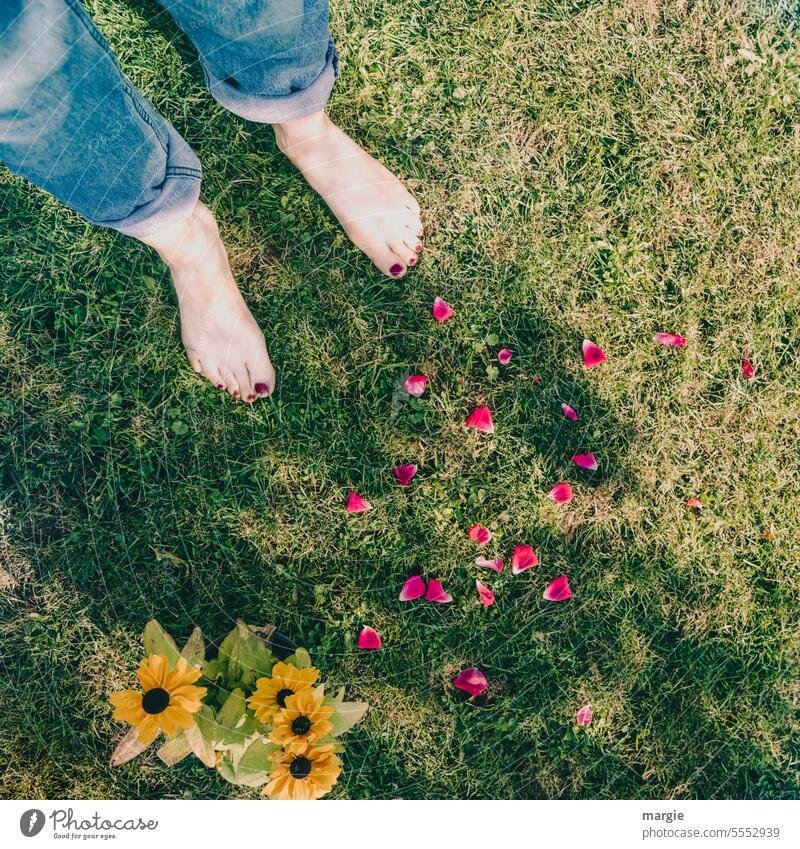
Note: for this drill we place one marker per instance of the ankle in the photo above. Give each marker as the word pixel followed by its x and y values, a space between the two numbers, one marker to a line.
pixel 186 238
pixel 292 133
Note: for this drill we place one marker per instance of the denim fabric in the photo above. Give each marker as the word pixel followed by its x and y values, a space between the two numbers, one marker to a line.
pixel 74 125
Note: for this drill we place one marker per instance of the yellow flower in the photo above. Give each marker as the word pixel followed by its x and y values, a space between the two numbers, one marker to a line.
pixel 167 702
pixel 304 775
pixel 271 693
pixel 303 722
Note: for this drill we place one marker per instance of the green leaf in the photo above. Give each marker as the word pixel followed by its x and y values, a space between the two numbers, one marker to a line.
pixel 301 659
pixel 157 641
pixel 225 769
pixel 202 748
pixel 194 651
pixel 174 750
pixel 234 723
pixel 346 715
pixel 255 764
pixel 206 722
pixel 254 658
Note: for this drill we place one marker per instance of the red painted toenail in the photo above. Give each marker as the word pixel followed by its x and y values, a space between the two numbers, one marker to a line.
pixel 251 397
pixel 262 388
pixel 396 269
pixel 220 386
pixel 412 261
pixel 235 393
pixel 418 247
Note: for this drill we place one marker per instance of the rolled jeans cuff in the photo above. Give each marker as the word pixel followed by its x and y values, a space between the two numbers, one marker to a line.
pixel 276 110
pixel 176 199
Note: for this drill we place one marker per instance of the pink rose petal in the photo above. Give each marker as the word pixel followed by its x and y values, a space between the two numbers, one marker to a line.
pixel 471 680
pixel 415 385
pixel 436 592
pixel 523 558
pixel 369 638
pixel 569 412
pixel 357 504
pixel 748 369
pixel 497 565
pixel 585 461
pixel 405 473
pixel 670 339
pixel 561 493
pixel 584 715
pixel 441 310
pixel 504 356
pixel 558 590
pixel 593 354
pixel 413 588
pixel 479 534
pixel 695 502
pixel 481 419
pixel 485 594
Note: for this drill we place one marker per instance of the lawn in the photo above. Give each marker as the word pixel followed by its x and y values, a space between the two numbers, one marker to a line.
pixel 586 169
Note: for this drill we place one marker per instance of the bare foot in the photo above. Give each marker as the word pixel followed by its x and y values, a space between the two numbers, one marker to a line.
pixel 372 205
pixel 222 340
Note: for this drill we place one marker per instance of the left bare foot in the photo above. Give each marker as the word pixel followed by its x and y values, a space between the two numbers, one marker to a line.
pixel 375 209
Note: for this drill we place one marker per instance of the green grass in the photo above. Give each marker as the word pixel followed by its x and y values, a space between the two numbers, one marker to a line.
pixel 585 169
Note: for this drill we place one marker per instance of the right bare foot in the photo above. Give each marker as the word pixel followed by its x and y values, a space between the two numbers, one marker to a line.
pixel 222 340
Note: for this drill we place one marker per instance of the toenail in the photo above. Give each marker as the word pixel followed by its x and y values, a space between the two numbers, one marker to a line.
pixel 420 232
pixel 235 393
pixel 396 269
pixel 418 247
pixel 412 261
pixel 220 386
pixel 251 397
pixel 262 388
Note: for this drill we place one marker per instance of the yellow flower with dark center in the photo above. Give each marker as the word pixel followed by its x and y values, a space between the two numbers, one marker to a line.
pixel 271 693
pixel 303 722
pixel 303 775
pixel 167 701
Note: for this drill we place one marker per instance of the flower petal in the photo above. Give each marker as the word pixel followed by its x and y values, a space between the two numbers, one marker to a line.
pixel 441 310
pixel 561 493
pixel 479 534
pixel 695 502
pixel 558 590
pixel 415 385
pixel 436 593
pixel 584 715
pixel 569 412
pixel 481 419
pixel 357 504
pixel 471 680
pixel 413 588
pixel 484 594
pixel 670 339
pixel 496 565
pixel 504 356
pixel 523 558
pixel 585 461
pixel 748 369
pixel 369 638
pixel 405 473
pixel 593 354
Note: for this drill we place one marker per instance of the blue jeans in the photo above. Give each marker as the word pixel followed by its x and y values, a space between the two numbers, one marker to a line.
pixel 74 125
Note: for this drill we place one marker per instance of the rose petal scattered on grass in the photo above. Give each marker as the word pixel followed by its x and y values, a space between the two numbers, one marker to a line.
pixel 670 339
pixel 405 473
pixel 471 680
pixel 695 502
pixel 416 384
pixel 369 638
pixel 496 565
pixel 561 493
pixel 523 558
pixel 558 590
pixel 436 592
pixel 593 354
pixel 584 716
pixel 504 356
pixel 479 534
pixel 413 588
pixel 441 310
pixel 357 504
pixel 569 412
pixel 748 369
pixel 481 419
pixel 585 461
pixel 484 594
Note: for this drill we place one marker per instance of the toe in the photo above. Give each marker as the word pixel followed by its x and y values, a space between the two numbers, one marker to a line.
pixel 262 375
pixel 412 248
pixel 245 386
pixel 194 360
pixel 211 372
pixel 406 256
pixel 230 382
pixel 386 260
